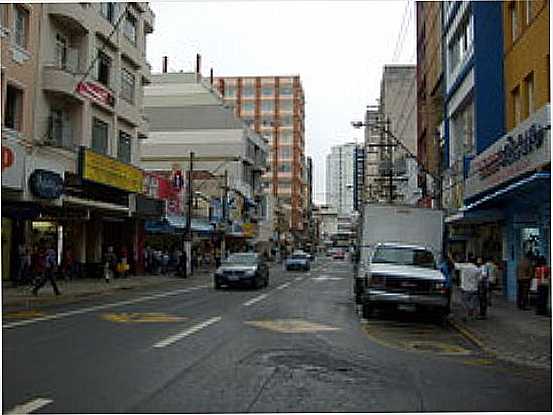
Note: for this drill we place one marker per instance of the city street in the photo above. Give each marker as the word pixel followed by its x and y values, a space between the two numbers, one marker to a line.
pixel 297 346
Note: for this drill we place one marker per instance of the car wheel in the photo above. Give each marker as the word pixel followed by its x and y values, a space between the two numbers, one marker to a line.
pixel 217 285
pixel 367 310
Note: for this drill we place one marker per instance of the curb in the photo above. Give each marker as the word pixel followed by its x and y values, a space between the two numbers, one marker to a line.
pixel 69 298
pixel 469 335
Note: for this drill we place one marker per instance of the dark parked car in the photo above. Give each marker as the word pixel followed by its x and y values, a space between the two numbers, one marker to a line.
pixel 242 269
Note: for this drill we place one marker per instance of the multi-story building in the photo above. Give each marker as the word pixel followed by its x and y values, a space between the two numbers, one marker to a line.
pixel 474 115
pixel 274 107
pixel 374 138
pixel 430 99
pixel 358 177
pixel 187 115
pixel 87 125
pixel 327 218
pixel 508 187
pixel 398 107
pixel 19 43
pixel 340 169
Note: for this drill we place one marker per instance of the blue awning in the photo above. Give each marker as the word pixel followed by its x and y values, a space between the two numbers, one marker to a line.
pixel 528 183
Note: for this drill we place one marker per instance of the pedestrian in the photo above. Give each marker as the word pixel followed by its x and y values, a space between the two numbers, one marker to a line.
pixel 469 275
pixel 110 264
pixel 68 264
pixel 525 271
pixel 182 263
pixel 492 272
pixel 23 265
pixel 483 280
pixel 165 262
pixel 48 264
pixel 542 275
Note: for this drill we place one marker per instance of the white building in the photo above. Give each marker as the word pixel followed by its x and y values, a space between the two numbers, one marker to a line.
pixel 340 178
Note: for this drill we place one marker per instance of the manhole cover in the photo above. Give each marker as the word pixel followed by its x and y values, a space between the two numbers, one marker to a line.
pixel 437 347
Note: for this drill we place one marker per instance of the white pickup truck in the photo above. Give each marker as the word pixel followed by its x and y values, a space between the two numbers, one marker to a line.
pixel 399 254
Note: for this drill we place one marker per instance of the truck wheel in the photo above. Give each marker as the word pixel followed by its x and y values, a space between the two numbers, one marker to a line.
pixel 367 310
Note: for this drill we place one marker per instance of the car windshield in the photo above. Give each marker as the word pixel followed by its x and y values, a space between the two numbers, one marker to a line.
pixel 299 256
pixel 246 259
pixel 404 256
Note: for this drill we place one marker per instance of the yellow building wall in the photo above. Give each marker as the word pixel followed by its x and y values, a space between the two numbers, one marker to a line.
pixel 529 52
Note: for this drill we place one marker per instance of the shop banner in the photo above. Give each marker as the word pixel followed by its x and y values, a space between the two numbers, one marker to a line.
pixel 96 92
pixel 522 150
pixel 109 171
pixel 13 164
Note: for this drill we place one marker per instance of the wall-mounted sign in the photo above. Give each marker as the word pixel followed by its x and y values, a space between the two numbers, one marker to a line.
pixel 96 92
pixel 111 172
pixel 525 148
pixel 46 184
pixel 148 207
pixel 13 157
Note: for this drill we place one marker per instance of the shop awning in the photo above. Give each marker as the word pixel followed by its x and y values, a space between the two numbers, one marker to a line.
pixel 528 184
pixel 487 209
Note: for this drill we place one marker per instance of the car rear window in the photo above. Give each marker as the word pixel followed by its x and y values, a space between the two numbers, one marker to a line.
pixel 404 256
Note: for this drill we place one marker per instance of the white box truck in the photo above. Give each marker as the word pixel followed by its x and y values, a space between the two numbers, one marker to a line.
pixel 400 250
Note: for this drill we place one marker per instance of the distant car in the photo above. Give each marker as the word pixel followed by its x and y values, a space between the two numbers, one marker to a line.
pixel 339 254
pixel 298 261
pixel 242 269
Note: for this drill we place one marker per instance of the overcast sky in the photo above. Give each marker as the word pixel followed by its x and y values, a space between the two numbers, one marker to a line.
pixel 337 47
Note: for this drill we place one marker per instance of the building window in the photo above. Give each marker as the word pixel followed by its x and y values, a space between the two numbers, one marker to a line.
pixel 60 128
pixel 124 147
pixel 99 136
pixel 529 11
pixel 127 86
pixel 248 91
pixel 129 28
pixel 266 105
pixel 61 51
pixel 514 21
pixel 286 105
pixel 230 91
pixel 285 90
pixel 267 91
pixel 285 137
pixel 13 112
pixel 247 106
pixel 21 26
pixel 285 152
pixel 515 94
pixel 286 120
pixel 103 68
pixel 108 11
pixel 285 167
pixel 4 15
pixel 529 86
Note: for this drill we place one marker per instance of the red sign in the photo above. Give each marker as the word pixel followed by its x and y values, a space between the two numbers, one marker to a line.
pixel 96 92
pixel 7 158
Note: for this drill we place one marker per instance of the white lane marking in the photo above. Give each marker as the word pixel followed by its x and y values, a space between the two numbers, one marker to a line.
pixel 101 307
pixel 31 406
pixel 170 340
pixel 255 300
pixel 326 278
pixel 283 286
pixel 298 278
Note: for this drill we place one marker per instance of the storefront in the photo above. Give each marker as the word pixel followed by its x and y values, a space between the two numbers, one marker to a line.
pixel 512 180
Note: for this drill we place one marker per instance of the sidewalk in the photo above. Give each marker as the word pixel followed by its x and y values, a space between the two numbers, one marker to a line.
pixel 508 333
pixel 74 290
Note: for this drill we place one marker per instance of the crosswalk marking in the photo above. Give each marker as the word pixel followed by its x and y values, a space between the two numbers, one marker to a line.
pixel 255 300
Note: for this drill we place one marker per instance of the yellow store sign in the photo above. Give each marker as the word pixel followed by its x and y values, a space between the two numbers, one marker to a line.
pixel 105 170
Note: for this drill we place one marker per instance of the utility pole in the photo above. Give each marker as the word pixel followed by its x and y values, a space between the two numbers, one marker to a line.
pixel 188 231
pixel 225 194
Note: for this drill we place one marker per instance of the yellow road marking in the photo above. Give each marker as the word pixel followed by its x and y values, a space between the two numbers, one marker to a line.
pixel 479 362
pixel 142 318
pixel 24 314
pixel 291 326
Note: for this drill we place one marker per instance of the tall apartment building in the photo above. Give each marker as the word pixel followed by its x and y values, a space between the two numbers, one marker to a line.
pixel 359 155
pixel 340 169
pixel 86 125
pixel 430 99
pixel 274 106
pixel 398 107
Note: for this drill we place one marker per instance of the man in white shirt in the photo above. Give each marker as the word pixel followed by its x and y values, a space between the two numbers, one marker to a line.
pixel 469 276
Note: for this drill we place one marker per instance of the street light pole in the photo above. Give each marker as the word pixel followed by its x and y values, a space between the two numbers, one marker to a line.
pixel 188 231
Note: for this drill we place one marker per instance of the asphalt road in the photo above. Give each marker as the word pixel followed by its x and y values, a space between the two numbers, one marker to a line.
pixel 296 346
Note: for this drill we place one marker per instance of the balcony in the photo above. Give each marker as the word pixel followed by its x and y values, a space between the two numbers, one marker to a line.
pixel 143 127
pixel 72 16
pixel 128 112
pixel 59 80
pixel 131 52
pixel 146 72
